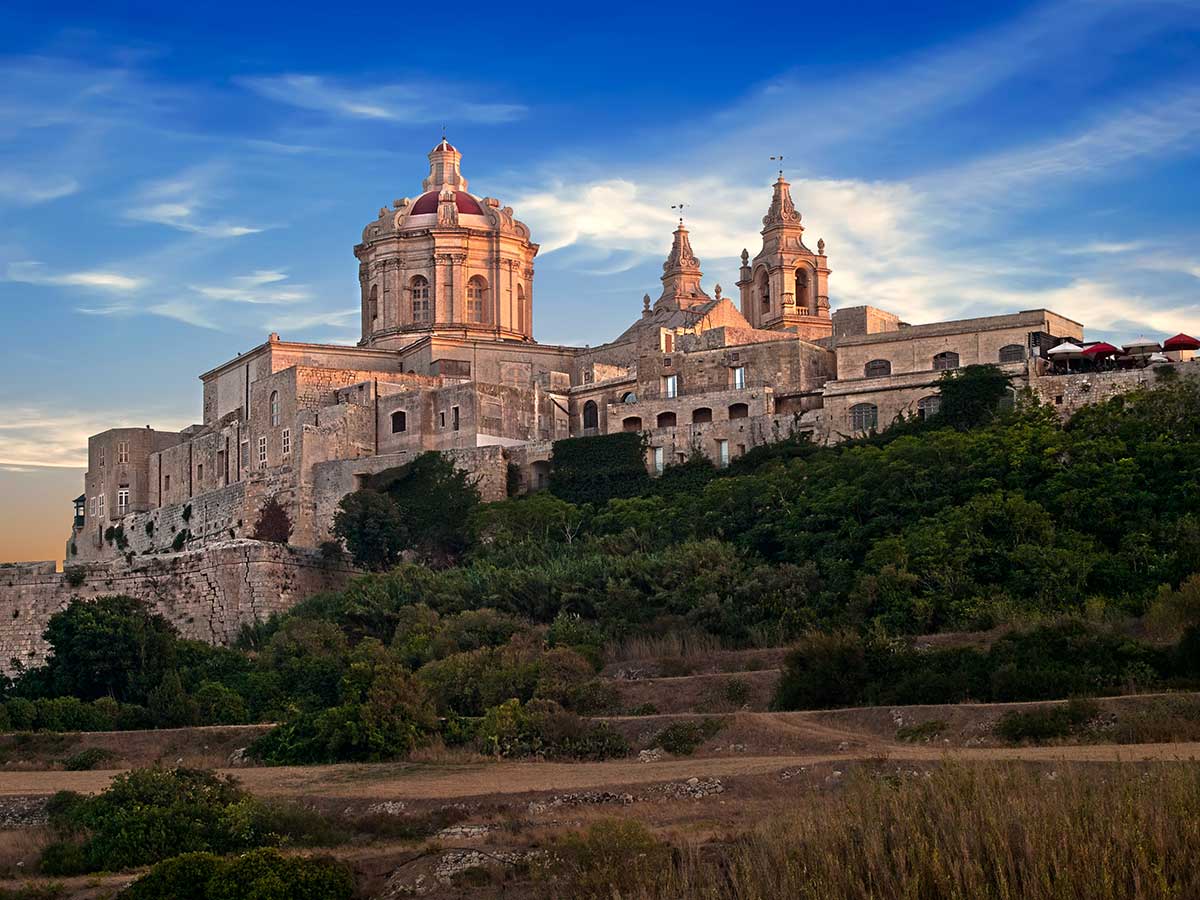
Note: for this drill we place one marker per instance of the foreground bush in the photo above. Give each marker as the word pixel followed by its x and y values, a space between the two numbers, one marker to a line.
pixel 149 815
pixel 257 875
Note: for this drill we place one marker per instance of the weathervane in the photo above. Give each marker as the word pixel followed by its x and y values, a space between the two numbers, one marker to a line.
pixel 779 159
pixel 679 206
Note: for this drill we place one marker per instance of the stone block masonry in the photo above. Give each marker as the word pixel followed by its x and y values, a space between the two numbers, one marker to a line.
pixel 207 594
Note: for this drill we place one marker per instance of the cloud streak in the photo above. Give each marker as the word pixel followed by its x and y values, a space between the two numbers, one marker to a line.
pixel 33 272
pixel 415 102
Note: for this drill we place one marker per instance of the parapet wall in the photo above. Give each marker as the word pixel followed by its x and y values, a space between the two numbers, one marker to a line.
pixel 1070 393
pixel 207 594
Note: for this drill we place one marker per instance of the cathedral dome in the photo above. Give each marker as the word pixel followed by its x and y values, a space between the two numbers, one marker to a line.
pixel 428 203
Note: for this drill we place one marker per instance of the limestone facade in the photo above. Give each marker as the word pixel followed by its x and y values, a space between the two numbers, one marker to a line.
pixel 447 362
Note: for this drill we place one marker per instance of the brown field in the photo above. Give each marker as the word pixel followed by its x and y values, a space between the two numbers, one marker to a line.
pixel 764 783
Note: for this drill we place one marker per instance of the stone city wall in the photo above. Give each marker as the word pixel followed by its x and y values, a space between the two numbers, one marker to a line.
pixel 1070 393
pixel 207 594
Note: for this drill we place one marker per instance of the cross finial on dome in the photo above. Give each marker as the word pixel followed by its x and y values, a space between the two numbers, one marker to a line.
pixel 779 159
pixel 679 207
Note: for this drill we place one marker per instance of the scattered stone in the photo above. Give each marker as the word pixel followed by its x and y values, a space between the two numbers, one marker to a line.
pixel 23 812
pixel 463 832
pixel 693 788
pixel 788 774
pixel 387 808
pixel 843 746
pixel 652 755
pixel 584 798
pixel 632 674
pixel 448 864
pixel 238 758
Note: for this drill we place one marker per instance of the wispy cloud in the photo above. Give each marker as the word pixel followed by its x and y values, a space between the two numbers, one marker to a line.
pixel 414 102
pixel 182 203
pixel 301 321
pixel 27 189
pixel 31 438
pixel 260 287
pixel 33 272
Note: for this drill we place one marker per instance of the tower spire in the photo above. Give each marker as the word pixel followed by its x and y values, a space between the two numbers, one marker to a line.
pixel 444 171
pixel 681 273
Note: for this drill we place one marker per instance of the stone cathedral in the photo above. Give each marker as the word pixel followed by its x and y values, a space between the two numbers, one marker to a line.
pixel 448 362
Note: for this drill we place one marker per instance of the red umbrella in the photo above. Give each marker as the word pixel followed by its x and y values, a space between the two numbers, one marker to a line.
pixel 1181 342
pixel 1100 349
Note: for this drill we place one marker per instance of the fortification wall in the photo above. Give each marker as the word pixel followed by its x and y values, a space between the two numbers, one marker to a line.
pixel 207 594
pixel 1070 393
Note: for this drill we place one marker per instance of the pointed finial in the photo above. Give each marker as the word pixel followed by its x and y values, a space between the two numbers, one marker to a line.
pixel 717 292
pixel 679 207
pixel 779 159
pixel 745 257
pixel 821 246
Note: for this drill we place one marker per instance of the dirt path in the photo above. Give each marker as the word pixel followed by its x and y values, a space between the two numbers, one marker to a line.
pixel 414 781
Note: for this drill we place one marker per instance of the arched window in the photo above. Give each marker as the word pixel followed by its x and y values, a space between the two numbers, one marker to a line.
pixel 520 307
pixel 1013 353
pixel 764 291
pixel 701 416
pixel 947 360
pixel 739 411
pixel 591 415
pixel 802 288
pixel 399 421
pixel 373 303
pixel 274 409
pixel 633 423
pixel 864 416
pixel 418 285
pixel 629 397
pixel 666 420
pixel 877 368
pixel 476 298
pixel 928 406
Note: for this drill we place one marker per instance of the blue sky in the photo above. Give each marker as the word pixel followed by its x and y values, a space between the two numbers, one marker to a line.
pixel 177 181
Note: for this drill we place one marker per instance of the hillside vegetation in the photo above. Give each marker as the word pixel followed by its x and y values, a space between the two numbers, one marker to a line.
pixel 976 518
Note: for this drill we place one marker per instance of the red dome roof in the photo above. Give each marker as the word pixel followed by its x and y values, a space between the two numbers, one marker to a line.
pixel 428 203
pixel 443 144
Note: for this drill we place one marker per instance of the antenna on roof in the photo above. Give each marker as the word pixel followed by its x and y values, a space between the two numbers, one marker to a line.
pixel 779 159
pixel 679 207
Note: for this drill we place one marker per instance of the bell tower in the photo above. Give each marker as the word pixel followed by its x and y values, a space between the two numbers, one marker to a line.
pixel 786 286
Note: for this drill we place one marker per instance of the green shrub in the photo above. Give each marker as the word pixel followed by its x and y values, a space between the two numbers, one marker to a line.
pixel 86 760
pixel 683 738
pixel 1047 723
pixel 181 538
pixel 921 732
pixel 75 575
pixel 216 704
pixel 824 670
pixel 543 728
pixel 644 709
pixel 612 858
pixel 256 875
pixel 148 815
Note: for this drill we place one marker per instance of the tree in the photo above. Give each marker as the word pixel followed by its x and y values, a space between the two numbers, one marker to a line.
pixel 971 395
pixel 112 646
pixel 436 500
pixel 274 524
pixel 370 525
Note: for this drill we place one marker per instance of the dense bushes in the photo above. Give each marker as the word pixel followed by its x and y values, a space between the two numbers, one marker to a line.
pixel 1048 662
pixel 149 815
pixel 251 876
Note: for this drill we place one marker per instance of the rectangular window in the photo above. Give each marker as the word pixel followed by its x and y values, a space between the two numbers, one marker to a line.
pixel 199 471
pixel 454 411
pixel 245 458
pixel 101 454
pixel 286 442
pixel 723 453
pixel 658 460
pixel 671 386
pixel 100 506
pixel 739 378
pixel 122 452
pixel 441 420
pixel 122 501
pixel 92 507
pixel 166 482
pixel 221 473
pixel 262 452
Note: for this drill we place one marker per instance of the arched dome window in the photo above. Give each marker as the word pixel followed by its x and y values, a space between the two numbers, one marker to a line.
pixel 373 303
pixel 520 307
pixel 945 361
pixel 399 421
pixel 701 415
pixel 274 409
pixel 764 291
pixel 929 406
pixel 666 420
pixel 591 415
pixel 477 290
pixel 1012 353
pixel 418 286
pixel 877 368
